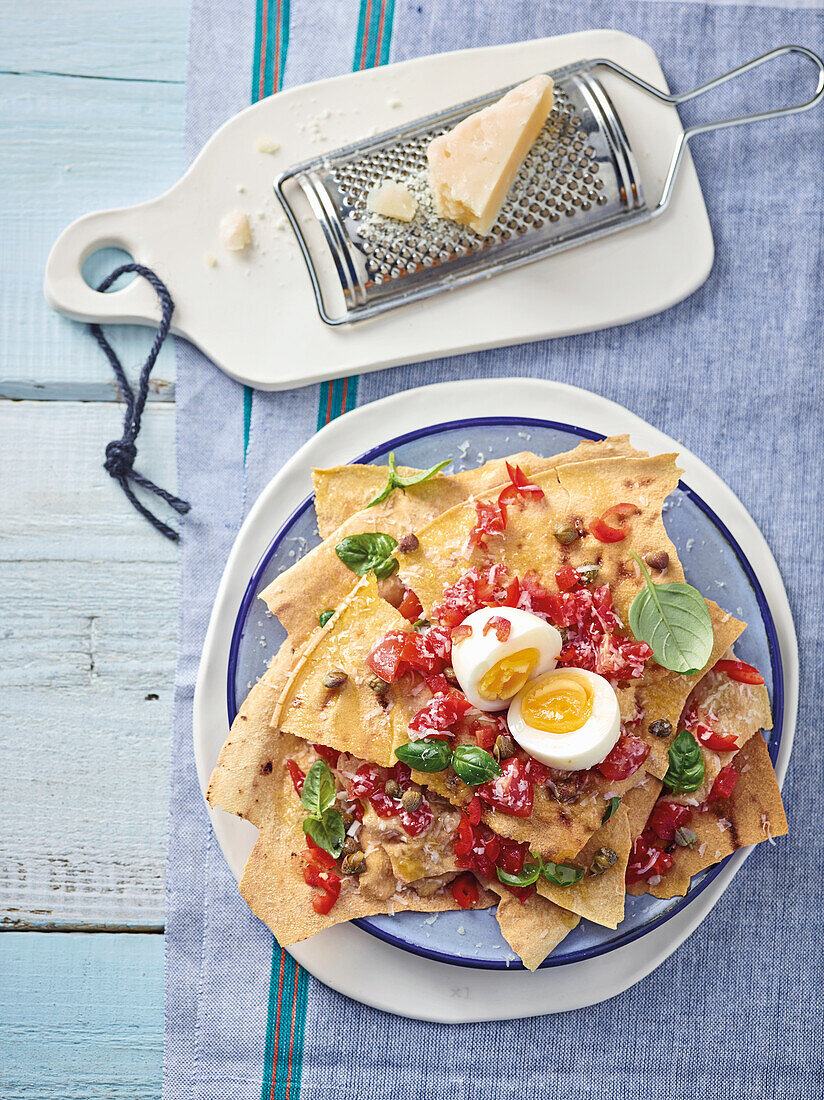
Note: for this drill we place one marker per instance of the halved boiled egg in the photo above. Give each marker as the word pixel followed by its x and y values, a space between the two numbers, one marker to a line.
pixel 497 649
pixel 568 719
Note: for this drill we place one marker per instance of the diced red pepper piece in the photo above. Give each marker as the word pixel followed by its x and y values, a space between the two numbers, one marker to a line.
pixel 459 633
pixel 724 783
pixel 501 626
pixel 520 487
pixel 465 891
pixel 511 792
pixel 326 897
pixel 666 817
pixel 330 755
pixel 522 893
pixel 612 525
pixel 567 578
pixel 718 742
pixel 740 671
pixel 410 606
pixel 489 523
pixel 296 775
pixel 626 757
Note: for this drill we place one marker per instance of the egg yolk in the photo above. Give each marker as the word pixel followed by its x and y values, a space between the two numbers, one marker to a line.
pixel 560 704
pixel 508 676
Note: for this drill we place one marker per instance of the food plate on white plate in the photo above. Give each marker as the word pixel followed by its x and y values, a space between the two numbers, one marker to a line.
pixel 558 781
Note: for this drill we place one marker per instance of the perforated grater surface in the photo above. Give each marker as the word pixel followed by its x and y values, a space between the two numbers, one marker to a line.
pixel 579 182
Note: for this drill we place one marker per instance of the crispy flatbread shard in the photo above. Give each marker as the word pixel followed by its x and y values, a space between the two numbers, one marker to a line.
pixel 754 813
pixel 598 898
pixel 663 694
pixel 639 804
pixel 344 490
pixel 320 580
pixel 533 930
pixel 272 883
pixel 581 491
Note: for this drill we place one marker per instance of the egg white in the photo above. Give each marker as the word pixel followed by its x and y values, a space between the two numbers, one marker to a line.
pixel 581 748
pixel 474 656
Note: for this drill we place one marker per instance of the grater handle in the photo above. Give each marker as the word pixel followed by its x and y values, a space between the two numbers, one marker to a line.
pixel 720 124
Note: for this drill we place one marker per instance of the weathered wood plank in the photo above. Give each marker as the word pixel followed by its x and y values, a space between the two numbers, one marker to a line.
pixel 88 593
pixel 58 501
pixel 82 1017
pixel 68 147
pixel 95 38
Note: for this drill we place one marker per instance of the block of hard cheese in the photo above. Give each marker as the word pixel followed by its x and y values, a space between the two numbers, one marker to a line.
pixel 472 167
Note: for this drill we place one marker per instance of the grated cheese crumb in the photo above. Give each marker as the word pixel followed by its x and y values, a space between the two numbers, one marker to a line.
pixel 267 145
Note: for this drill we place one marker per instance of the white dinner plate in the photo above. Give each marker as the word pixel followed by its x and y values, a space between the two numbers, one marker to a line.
pixel 346 957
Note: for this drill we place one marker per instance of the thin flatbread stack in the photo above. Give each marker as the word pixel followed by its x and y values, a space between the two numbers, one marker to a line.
pixel 348 830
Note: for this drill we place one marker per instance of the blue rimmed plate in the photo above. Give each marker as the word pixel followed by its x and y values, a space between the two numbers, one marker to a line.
pixel 707 526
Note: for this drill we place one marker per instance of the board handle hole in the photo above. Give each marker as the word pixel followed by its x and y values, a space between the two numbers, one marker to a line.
pixel 103 261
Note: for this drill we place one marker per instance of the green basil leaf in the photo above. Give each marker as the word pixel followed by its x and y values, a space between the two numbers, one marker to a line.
pixel 562 874
pixel 318 792
pixel 612 806
pixel 397 481
pixel 328 832
pixel 371 550
pixel 531 873
pixel 686 764
pixel 674 620
pixel 430 754
pixel 474 765
pixel 324 617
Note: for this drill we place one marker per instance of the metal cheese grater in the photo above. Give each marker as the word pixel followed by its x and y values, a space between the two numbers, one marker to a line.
pixel 579 182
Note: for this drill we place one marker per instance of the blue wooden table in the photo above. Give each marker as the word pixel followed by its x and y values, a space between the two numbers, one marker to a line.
pixel 92 96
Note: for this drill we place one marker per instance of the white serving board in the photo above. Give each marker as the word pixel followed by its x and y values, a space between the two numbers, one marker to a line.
pixel 254 313
pixel 345 957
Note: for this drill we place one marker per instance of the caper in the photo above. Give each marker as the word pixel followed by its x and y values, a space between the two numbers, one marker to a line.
pixel 354 864
pixel 564 791
pixel 565 533
pixel 411 799
pixel 661 728
pixel 335 678
pixel 393 788
pixel 350 846
pixel 684 837
pixel 603 859
pixel 504 747
pixel 588 572
pixel 347 818
pixel 377 685
pixel 451 678
pixel 420 625
pixel 658 561
pixel 408 544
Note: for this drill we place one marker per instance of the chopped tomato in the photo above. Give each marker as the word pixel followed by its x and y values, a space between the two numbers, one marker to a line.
pixel 466 837
pixel 626 757
pixel 385 659
pixel 417 822
pixel 368 778
pixel 593 641
pixel 328 894
pixel 724 783
pixel 646 860
pixel 440 715
pixel 438 685
pixel 522 893
pixel 718 742
pixel 474 810
pixel 511 594
pixel 511 793
pixel 537 772
pixel 666 817
pixel 567 578
pixel 500 625
pixel 535 596
pixel 410 606
pixel 465 891
pixel 473 589
pixel 740 671
pixel 489 523
pixel 328 754
pixel 612 525
pixel 296 775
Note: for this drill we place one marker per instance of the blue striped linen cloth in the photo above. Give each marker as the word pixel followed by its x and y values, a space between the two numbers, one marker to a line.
pixel 735 371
